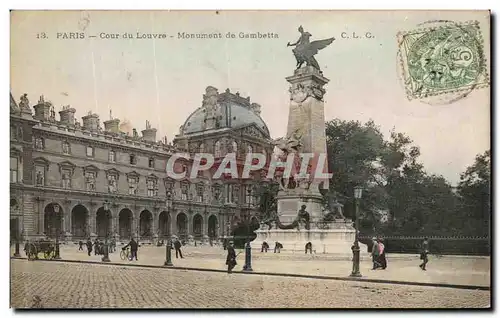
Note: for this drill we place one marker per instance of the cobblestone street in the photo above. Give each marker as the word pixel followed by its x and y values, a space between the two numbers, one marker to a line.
pixel 447 270
pixel 79 285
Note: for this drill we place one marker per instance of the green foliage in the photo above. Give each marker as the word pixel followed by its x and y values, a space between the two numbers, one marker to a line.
pixel 394 181
pixel 474 192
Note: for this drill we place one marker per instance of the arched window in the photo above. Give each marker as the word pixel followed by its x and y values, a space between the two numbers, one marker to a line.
pixel 217 149
pixel 249 149
pixel 201 148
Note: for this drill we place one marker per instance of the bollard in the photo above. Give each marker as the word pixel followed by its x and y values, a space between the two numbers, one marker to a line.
pixel 248 258
pixel 355 260
pixel 16 252
pixel 57 253
pixel 168 260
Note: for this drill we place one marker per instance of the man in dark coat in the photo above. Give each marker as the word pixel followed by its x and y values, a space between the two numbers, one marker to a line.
pixel 96 247
pixel 177 246
pixel 89 246
pixel 133 249
pixel 423 254
pixel 80 245
pixel 231 258
pixel 381 249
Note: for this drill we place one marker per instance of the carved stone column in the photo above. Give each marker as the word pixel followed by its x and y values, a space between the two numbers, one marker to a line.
pixel 173 222
pixel 41 214
pixel 67 221
pixel 92 220
pixel 204 230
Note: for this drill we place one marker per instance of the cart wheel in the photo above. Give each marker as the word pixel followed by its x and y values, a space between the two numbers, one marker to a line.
pixel 123 255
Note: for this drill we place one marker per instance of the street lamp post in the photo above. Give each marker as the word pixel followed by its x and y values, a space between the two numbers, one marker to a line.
pixel 248 249
pixel 358 191
pixel 16 252
pixel 105 258
pixel 168 256
pixel 56 212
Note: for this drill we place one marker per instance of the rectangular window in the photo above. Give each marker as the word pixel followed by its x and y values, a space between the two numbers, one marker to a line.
pixel 151 163
pixel 152 188
pixel 229 193
pixel 249 198
pixel 184 191
pixel 90 151
pixel 111 156
pixel 199 193
pixel 133 159
pixel 39 143
pixel 66 147
pixel 13 169
pixel 132 186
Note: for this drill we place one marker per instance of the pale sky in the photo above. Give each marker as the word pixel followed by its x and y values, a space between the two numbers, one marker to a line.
pixel 163 80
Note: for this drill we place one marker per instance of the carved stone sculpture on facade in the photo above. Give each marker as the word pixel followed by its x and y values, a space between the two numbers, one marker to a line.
pixel 24 102
pixel 39 178
pixel 287 145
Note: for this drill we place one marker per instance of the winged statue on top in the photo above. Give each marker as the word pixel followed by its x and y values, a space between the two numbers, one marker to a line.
pixel 304 50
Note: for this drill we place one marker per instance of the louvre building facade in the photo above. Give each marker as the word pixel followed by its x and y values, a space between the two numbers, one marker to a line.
pixel 78 180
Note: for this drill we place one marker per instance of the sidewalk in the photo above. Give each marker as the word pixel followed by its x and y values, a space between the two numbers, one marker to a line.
pixel 401 268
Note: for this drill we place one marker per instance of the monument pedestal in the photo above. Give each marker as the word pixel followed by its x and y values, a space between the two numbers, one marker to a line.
pixel 336 239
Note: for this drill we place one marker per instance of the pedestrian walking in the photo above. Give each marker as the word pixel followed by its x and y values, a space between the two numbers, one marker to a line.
pixel 423 254
pixel 231 258
pixel 96 247
pixel 134 246
pixel 89 246
pixel 375 254
pixel 381 251
pixel 177 246
pixel 80 245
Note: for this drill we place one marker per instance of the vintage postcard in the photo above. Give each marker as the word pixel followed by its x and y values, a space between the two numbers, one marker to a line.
pixel 250 159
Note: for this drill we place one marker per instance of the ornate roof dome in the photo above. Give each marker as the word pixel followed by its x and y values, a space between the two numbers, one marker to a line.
pixel 220 111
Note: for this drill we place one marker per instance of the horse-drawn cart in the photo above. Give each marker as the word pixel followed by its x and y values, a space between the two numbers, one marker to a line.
pixel 48 248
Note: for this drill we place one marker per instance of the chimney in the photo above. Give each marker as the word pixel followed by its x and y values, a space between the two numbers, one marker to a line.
pixel 149 134
pixel 67 115
pixel 112 125
pixel 42 109
pixel 91 122
pixel 255 108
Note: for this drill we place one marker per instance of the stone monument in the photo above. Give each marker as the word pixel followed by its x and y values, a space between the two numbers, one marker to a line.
pixel 300 213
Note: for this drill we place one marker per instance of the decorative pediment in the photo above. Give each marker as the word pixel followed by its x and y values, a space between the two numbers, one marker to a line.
pixel 133 174
pixel 90 168
pixel 112 172
pixel 152 177
pixel 41 161
pixel 15 152
pixel 66 165
pixel 253 130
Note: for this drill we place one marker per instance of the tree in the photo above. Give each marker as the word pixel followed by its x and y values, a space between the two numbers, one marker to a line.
pixel 475 194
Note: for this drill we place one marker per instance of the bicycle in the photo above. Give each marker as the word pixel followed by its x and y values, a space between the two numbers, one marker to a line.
pixel 125 254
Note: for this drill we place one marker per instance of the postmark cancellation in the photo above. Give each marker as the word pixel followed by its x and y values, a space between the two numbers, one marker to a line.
pixel 443 62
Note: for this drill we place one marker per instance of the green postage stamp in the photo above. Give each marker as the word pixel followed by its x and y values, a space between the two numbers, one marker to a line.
pixel 447 59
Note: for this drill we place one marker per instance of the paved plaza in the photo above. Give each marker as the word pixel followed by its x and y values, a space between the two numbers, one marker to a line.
pixel 456 270
pixel 81 285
